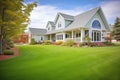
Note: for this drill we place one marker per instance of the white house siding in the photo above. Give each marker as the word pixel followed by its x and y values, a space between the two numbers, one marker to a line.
pixel 60 20
pixel 49 27
pixel 37 38
pixel 53 28
pixel 67 22
pixel 89 25
pixel 46 37
pixel 95 17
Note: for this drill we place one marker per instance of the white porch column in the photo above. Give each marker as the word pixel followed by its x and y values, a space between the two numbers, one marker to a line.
pixel 90 34
pixel 63 36
pixel 55 37
pixel 29 38
pixel 82 35
pixel 101 36
pixel 72 34
pixel 50 37
pixel 93 37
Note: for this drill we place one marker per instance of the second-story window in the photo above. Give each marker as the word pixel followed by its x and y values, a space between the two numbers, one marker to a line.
pixel 48 28
pixel 59 25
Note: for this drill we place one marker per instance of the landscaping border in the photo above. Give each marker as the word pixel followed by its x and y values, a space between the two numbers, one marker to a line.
pixel 5 57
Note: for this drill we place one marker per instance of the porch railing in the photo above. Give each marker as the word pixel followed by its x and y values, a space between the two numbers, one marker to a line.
pixel 75 39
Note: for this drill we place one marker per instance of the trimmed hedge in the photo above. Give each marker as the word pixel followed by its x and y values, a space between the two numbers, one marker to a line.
pixel 8 52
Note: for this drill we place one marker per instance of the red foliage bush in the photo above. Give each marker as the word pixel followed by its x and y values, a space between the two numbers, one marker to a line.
pixel 99 43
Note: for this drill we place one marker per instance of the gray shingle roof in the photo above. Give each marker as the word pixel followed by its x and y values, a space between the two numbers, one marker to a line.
pixel 66 16
pixel 79 20
pixel 52 23
pixel 37 31
pixel 82 19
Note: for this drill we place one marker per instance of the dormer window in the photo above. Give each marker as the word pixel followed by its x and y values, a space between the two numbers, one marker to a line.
pixel 59 25
pixel 96 24
pixel 48 28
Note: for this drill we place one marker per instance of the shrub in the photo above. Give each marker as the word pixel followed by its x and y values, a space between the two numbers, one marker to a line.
pixel 83 44
pixel 98 44
pixel 87 38
pixel 8 52
pixel 91 44
pixel 59 43
pixel 108 43
pixel 87 44
pixel 64 44
pixel 76 44
pixel 46 42
pixel 33 41
pixel 69 42
pixel 8 44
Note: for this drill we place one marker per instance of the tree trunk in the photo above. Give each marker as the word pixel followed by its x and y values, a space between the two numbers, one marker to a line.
pixel 1 32
pixel 1 40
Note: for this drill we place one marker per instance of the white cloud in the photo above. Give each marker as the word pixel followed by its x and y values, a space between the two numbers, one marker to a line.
pixel 111 10
pixel 44 13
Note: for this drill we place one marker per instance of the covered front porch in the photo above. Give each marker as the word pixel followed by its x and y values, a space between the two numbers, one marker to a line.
pixel 77 35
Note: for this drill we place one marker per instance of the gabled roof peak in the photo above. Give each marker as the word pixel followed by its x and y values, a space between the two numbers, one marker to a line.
pixel 91 10
pixel 66 16
pixel 51 23
pixel 82 19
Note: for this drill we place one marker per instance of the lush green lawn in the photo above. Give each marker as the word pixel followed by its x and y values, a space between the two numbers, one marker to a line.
pixel 62 63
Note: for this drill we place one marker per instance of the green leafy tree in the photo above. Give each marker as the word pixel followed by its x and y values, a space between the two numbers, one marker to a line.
pixel 14 18
pixel 116 29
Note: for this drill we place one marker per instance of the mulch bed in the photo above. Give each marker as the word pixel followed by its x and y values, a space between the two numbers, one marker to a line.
pixel 16 53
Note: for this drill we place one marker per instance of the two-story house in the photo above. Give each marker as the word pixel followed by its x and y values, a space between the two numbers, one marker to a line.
pixel 92 23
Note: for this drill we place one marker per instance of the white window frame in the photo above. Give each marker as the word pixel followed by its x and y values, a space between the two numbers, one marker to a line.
pixel 96 33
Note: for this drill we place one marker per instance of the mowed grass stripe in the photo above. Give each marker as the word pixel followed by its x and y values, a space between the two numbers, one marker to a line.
pixel 62 63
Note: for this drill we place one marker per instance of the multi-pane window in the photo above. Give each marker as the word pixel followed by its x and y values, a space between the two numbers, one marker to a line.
pixel 48 28
pixel 96 24
pixel 59 37
pixel 86 32
pixel 78 34
pixel 67 35
pixel 59 25
pixel 96 36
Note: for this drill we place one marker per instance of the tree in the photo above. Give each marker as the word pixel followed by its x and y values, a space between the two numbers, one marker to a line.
pixel 14 18
pixel 116 29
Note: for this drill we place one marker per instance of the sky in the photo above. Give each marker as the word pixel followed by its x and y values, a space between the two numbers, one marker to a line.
pixel 47 9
